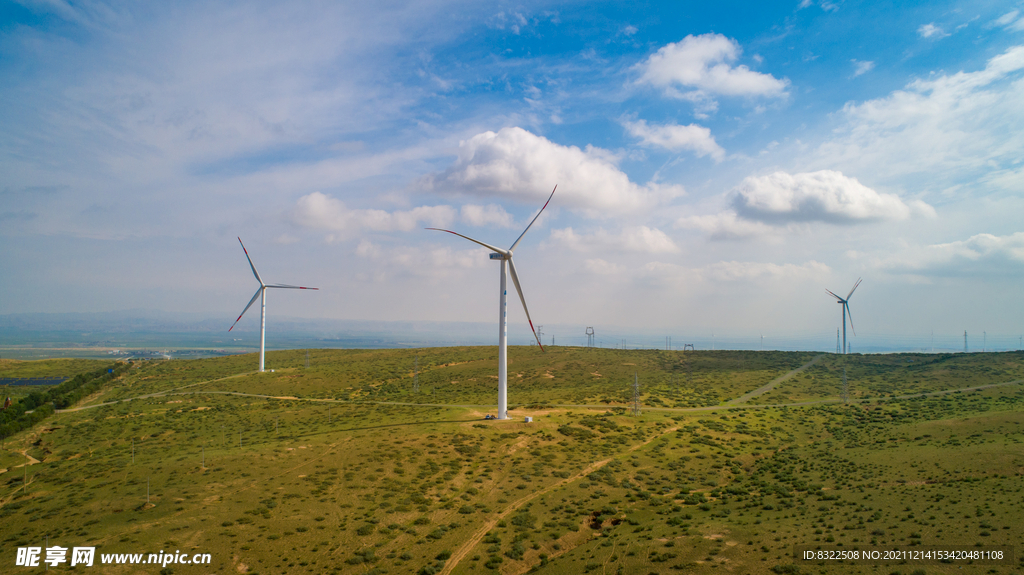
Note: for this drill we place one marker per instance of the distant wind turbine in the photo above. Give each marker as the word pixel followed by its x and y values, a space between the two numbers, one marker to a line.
pixel 506 256
pixel 846 311
pixel 262 294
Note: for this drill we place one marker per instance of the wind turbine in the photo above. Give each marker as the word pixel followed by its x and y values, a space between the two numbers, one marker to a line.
pixel 262 294
pixel 506 258
pixel 846 311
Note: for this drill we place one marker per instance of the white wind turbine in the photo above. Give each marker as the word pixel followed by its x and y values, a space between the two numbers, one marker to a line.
pixel 846 311
pixel 506 256
pixel 262 294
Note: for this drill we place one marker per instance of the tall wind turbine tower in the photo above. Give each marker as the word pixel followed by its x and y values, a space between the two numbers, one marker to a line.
pixel 505 256
pixel 262 294
pixel 845 302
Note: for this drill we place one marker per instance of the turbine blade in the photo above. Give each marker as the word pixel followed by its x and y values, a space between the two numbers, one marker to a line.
pixel 519 289
pixel 488 246
pixel 288 286
pixel 513 248
pixel 847 306
pixel 834 295
pixel 258 292
pixel 254 272
pixel 854 287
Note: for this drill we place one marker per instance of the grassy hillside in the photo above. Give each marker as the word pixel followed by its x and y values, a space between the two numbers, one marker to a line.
pixel 379 462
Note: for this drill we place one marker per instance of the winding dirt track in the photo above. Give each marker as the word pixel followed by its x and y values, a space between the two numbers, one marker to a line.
pixel 478 536
pixel 771 384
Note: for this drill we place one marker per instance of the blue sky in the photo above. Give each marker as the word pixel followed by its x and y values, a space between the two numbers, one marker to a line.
pixel 719 164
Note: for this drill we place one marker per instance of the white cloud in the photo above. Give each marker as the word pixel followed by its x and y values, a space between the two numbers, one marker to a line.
pixel 825 196
pixel 825 5
pixel 640 239
pixel 947 129
pixel 489 215
pixel 1010 21
pixel 703 66
pixel 931 30
pixel 747 271
pixel 601 267
pixel 733 272
pixel 697 139
pixel 860 67
pixel 322 212
pixel 516 164
pixel 979 255
pixel 725 226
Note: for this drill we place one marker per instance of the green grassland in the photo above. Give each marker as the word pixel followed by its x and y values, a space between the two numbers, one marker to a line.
pixel 380 462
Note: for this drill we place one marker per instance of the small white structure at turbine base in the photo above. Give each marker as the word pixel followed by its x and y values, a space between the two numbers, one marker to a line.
pixel 261 293
pixel 507 266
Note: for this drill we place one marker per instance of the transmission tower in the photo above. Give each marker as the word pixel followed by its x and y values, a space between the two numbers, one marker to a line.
pixel 688 346
pixel 636 395
pixel 590 337
pixel 965 341
pixel 307 359
pixel 540 332
pixel 846 388
pixel 837 340
pixel 416 376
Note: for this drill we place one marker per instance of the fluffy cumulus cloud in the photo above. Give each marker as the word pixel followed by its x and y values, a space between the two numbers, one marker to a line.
pixel 516 164
pixel 699 67
pixel 641 239
pixel 940 131
pixel 322 212
pixel 824 196
pixel 725 226
pixel 489 215
pixel 434 262
pixel 694 138
pixel 980 255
